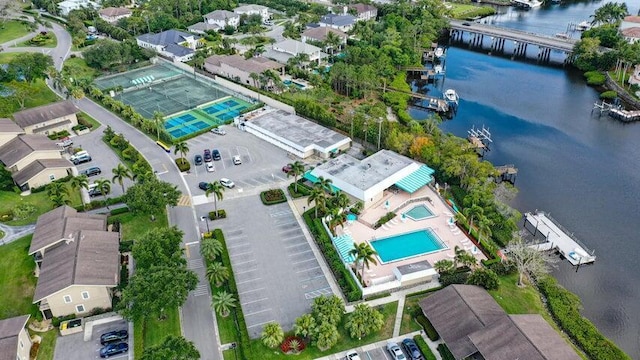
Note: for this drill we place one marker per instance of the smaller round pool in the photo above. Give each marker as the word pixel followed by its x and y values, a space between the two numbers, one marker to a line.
pixel 419 212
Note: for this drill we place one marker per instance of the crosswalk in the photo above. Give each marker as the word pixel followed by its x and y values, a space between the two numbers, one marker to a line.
pixel 184 200
pixel 201 289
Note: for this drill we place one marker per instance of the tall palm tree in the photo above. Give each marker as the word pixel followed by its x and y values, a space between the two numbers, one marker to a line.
pixel 80 182
pixel 181 148
pixel 217 273
pixel 340 199
pixel 332 41
pixel 471 212
pixel 59 200
pixel 120 173
pixel 255 77
pixel 158 119
pixel 217 190
pixel 297 169
pixel 210 248
pixel 318 197
pixel 365 256
pixel 222 303
pixel 57 188
pixel 324 184
pixel 104 185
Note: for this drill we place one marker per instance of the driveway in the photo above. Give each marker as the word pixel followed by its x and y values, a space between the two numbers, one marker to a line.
pixel 275 269
pixel 73 347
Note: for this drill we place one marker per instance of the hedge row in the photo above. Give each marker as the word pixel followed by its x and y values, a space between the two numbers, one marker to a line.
pixel 428 328
pixel 244 343
pixel 385 219
pixel 119 211
pixel 424 348
pixel 347 283
pixel 445 353
pixel 273 196
pixel 221 214
pixel 565 308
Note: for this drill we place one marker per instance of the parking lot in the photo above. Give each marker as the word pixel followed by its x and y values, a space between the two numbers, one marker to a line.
pixel 73 347
pixel 101 156
pixel 378 353
pixel 275 269
pixel 261 162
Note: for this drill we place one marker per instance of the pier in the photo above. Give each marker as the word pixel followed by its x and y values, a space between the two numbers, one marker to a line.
pixel 479 139
pixel 507 173
pixel 557 238
pixel 432 103
pixel 625 115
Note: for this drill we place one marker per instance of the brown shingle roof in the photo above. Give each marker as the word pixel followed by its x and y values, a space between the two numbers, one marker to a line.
pixel 633 32
pixel 361 8
pixel 547 341
pixel 8 126
pixel 44 113
pixel 23 145
pixel 255 65
pixel 631 18
pixel 9 331
pixel 115 11
pixel 91 258
pixel 57 224
pixel 23 176
pixel 320 33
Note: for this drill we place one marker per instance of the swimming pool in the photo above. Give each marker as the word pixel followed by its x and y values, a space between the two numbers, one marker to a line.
pixel 407 245
pixel 419 212
pixel 288 82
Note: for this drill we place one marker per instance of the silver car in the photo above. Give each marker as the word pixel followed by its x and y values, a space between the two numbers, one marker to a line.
pixel 395 351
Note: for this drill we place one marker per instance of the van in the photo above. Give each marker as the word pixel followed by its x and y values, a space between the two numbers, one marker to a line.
pixel 80 157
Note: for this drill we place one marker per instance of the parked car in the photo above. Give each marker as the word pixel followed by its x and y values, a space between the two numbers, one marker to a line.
pixel 227 183
pixel 114 349
pixel 80 157
pixel 207 155
pixel 114 336
pixel 219 131
pixel 203 185
pixel 197 160
pixel 352 355
pixel 411 349
pixel 395 351
pixel 94 190
pixel 216 154
pixel 65 142
pixel 237 160
pixel 210 167
pixel 286 169
pixel 92 171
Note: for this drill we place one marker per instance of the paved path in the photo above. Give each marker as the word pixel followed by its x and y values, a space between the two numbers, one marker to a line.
pixel 12 233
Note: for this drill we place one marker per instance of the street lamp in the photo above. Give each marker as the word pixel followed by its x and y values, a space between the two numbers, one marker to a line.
pixel 304 209
pixel 204 218
pixel 379 132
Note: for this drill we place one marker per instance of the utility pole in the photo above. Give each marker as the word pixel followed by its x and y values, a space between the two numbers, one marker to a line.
pixel 379 132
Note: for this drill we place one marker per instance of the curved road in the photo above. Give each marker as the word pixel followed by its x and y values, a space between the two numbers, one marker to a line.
pixel 12 233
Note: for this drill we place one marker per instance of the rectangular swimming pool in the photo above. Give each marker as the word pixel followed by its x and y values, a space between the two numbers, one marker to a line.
pixel 407 245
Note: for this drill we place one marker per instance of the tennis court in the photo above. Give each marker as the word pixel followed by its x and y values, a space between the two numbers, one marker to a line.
pixel 225 109
pixel 137 77
pixel 187 123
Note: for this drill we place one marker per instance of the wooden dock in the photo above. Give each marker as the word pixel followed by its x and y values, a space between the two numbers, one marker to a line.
pixel 624 115
pixel 507 173
pixel 432 103
pixel 558 238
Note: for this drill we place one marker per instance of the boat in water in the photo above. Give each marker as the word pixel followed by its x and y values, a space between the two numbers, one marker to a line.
pixel 583 26
pixel 439 52
pixel 451 96
pixel 527 4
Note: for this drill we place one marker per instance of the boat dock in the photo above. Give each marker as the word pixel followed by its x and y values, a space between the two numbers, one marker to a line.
pixel 625 115
pixel 557 237
pixel 428 102
pixel 507 173
pixel 479 139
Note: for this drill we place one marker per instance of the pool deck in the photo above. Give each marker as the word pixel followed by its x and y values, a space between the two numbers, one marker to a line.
pixel 400 202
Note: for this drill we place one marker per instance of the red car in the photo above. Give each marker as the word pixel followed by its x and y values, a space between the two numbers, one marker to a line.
pixel 286 169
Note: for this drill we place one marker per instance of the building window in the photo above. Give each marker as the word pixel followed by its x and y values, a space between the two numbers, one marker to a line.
pixel 85 295
pixel 52 177
pixel 67 299
pixel 80 308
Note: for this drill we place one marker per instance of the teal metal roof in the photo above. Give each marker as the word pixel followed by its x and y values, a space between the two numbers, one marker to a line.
pixel 309 176
pixel 344 244
pixel 416 179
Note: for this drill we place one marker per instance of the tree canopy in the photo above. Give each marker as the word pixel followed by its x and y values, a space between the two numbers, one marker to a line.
pixel 157 247
pixel 172 348
pixel 150 196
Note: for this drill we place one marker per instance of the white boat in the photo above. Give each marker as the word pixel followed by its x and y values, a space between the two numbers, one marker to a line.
pixel 527 4
pixel 438 69
pixel 439 52
pixel 583 26
pixel 451 96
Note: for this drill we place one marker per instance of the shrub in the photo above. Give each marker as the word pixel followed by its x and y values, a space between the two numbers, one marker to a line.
pixel 485 278
pixel 595 78
pixel 503 268
pixel 273 196
pixel 445 353
pixel 23 211
pixel 378 296
pixel 292 345
pixel 453 278
pixel 431 332
pixel 303 190
pixel 220 214
pixel 33 353
pixel 424 348
pixel 125 246
pixel 383 220
pixel 609 95
pixel 55 321
pixel 183 164
pixel 119 211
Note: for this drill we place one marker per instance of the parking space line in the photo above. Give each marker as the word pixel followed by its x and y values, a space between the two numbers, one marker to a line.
pixel 250 291
pixel 248 281
pixel 195 264
pixel 296 237
pixel 238 245
pixel 301 252
pixel 280 213
pixel 316 293
pixel 295 245
pixel 200 290
pixel 302 261
pixel 242 254
pixel 262 323
pixel 313 268
pixel 254 301
pixel 244 262
pixel 312 278
pixel 244 272
pixel 257 312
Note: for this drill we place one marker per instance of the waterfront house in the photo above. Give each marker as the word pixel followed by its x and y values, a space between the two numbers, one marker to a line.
pixel 362 12
pixel 15 342
pixel 48 119
pixel 9 130
pixel 343 23
pixel 319 35
pixel 176 45
pixel 253 9
pixel 239 69
pixel 67 6
pixel 635 76
pixel 77 262
pixel 113 14
pixel 630 29
pixel 285 50
pixel 474 326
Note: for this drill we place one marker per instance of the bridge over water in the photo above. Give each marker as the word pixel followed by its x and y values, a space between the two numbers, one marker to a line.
pixel 520 39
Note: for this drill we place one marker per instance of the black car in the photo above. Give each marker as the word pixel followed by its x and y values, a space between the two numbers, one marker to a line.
pixel 114 349
pixel 114 336
pixel 216 154
pixel 198 160
pixel 207 155
pixel 203 185
pixel 411 349
pixel 92 171
pixel 96 192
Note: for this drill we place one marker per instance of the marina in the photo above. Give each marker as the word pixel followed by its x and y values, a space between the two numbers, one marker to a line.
pixel 557 238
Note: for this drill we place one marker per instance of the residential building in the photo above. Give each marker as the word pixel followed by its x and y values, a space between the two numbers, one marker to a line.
pixel 239 69
pixel 15 342
pixel 285 50
pixel 362 12
pixel 77 262
pixel 48 119
pixel 174 44
pixel 343 23
pixel 9 130
pixel 634 78
pixel 222 19
pixel 113 14
pixel 18 153
pixel 630 22
pixel 252 9
pixel 319 35
pixel 631 35
pixel 43 171
pixel 67 6
pixel 474 326
pixel 367 179
pixel 294 134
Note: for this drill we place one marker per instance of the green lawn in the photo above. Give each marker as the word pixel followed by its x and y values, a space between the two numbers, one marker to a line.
pixel 226 326
pixel 12 29
pixel 518 300
pixel 229 355
pixel 41 95
pixel 138 338
pixel 466 11
pixel 50 42
pixel 78 69
pixel 17 282
pixel 408 323
pixel 6 57
pixel 48 344
pixel 9 200
pixel 95 123
pixel 134 226
pixel 261 352
pixel 151 331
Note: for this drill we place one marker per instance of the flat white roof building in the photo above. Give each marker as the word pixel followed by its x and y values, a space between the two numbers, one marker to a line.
pixel 295 134
pixel 367 179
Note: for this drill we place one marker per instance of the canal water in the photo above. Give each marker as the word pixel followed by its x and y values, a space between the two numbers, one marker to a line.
pixel 581 167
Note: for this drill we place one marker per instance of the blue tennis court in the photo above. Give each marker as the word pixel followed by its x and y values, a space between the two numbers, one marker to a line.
pixel 226 109
pixel 184 124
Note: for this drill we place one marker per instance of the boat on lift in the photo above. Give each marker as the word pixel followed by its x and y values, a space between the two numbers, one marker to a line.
pixel 451 96
pixel 439 52
pixel 583 26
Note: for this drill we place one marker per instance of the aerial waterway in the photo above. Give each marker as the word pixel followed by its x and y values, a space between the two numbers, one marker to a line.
pixel 580 167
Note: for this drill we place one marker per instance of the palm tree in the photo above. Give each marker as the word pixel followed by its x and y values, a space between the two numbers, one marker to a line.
pixel 80 182
pixel 340 199
pixel 57 188
pixel 272 334
pixel 183 149
pixel 120 173
pixel 324 184
pixel 210 248
pixel 222 303
pixel 158 119
pixel 59 200
pixel 255 77
pixel 471 212
pixel 104 185
pixel 217 273
pixel 463 257
pixel 217 190
pixel 296 169
pixel 332 41
pixel 365 255
pixel 317 196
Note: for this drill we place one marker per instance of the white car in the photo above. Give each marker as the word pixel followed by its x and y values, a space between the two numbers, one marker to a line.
pixel 352 355
pixel 219 131
pixel 395 351
pixel 210 167
pixel 237 160
pixel 227 183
